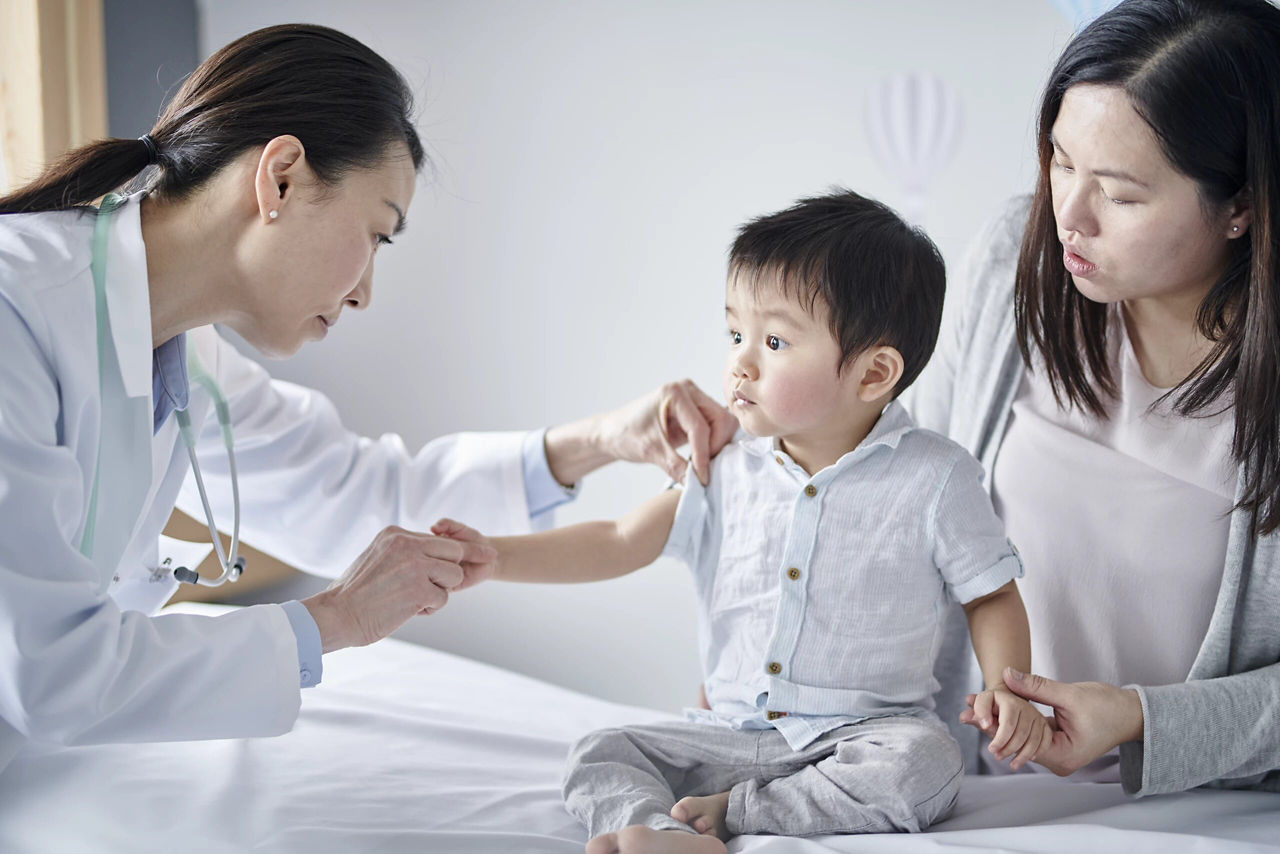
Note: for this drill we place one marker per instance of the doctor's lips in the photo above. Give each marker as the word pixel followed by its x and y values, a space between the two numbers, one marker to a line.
pixel 1077 265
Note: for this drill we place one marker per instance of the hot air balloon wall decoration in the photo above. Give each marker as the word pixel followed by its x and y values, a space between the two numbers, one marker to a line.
pixel 913 122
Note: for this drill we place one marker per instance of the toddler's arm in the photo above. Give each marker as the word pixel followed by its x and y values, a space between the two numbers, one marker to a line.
pixel 591 551
pixel 1001 638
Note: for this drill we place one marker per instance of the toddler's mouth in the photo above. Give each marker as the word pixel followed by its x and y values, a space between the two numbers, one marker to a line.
pixel 740 399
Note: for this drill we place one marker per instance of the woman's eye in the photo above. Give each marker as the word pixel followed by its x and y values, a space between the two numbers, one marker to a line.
pixel 773 342
pixel 382 240
pixel 1064 167
pixel 1113 201
pixel 735 336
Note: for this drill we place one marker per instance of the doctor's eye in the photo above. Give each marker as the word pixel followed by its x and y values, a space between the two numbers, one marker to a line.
pixel 773 342
pixel 735 336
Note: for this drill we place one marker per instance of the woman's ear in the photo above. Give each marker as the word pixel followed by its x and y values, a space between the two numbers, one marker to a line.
pixel 282 167
pixel 1241 215
pixel 880 369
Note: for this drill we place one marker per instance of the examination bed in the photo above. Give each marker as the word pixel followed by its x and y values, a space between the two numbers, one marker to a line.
pixel 406 749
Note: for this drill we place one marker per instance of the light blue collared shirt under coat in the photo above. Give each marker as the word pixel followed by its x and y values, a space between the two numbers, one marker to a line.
pixel 821 599
pixel 171 389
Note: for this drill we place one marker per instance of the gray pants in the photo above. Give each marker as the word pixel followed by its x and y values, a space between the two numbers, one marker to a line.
pixel 886 774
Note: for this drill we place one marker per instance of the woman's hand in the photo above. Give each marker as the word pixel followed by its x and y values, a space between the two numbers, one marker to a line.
pixel 646 430
pixel 1090 718
pixel 400 574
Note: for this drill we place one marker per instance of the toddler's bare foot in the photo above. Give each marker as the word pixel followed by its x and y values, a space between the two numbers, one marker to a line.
pixel 638 839
pixel 705 814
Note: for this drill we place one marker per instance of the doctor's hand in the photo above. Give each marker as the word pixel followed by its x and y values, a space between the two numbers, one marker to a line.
pixel 649 429
pixel 400 574
pixel 1090 718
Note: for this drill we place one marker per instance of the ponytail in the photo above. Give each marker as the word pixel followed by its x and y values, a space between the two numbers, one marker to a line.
pixel 80 176
pixel 345 103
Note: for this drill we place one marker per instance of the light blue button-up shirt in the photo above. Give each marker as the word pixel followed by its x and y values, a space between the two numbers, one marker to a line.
pixel 171 389
pixel 821 599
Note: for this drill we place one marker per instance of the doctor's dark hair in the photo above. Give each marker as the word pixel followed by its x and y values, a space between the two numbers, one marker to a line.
pixel 1205 76
pixel 344 102
pixel 881 281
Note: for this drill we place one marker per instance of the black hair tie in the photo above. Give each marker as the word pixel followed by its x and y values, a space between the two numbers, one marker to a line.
pixel 153 153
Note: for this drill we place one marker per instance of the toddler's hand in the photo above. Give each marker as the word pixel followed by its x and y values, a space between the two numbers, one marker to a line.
pixel 1016 727
pixel 472 573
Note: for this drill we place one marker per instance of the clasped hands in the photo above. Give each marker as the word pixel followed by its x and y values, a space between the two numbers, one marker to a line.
pixel 1088 720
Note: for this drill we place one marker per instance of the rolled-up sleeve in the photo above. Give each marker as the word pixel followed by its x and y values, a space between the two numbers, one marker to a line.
pixel 970 547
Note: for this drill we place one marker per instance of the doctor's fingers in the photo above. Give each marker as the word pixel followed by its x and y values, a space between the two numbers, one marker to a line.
pixel 441 548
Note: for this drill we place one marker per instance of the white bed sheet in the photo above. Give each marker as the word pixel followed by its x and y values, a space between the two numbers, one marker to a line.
pixel 406 749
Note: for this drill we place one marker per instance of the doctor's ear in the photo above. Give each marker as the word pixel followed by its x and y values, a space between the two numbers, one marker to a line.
pixel 877 370
pixel 282 168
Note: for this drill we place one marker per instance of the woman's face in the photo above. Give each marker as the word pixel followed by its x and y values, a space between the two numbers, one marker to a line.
pixel 315 258
pixel 1132 227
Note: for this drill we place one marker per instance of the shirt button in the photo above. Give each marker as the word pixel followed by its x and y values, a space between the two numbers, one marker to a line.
pixel 773 716
pixel 811 490
pixel 305 674
pixel 775 668
pixel 778 460
pixel 793 573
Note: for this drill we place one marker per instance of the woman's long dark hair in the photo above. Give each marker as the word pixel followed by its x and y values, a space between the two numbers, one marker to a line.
pixel 1205 75
pixel 343 101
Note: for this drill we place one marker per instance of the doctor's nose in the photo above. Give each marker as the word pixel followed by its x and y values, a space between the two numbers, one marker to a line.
pixel 362 294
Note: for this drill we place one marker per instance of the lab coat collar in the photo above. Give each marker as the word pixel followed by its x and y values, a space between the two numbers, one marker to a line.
pixel 129 297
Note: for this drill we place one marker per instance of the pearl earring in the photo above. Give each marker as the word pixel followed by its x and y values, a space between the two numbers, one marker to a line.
pixel 1234 228
pixel 273 214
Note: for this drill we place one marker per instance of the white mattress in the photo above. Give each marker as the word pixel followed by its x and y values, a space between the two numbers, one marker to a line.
pixel 405 749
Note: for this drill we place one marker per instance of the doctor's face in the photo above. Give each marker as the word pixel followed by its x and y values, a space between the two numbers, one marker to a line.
pixel 320 258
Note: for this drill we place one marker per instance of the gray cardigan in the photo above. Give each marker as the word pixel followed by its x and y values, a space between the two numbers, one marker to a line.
pixel 1222 726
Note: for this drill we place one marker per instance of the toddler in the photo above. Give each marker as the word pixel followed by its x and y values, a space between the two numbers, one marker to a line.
pixel 824 548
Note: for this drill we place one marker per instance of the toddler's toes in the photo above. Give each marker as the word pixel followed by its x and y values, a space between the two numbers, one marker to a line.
pixel 605 843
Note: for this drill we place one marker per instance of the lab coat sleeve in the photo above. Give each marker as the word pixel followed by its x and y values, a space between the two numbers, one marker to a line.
pixel 314 494
pixel 74 668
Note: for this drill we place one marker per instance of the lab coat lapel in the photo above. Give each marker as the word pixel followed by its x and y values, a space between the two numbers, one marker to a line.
pixel 125 465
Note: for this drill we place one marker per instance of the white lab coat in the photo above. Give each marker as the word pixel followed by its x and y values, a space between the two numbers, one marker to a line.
pixel 81 658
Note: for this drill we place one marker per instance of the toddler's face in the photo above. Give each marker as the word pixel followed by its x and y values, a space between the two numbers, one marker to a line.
pixel 780 377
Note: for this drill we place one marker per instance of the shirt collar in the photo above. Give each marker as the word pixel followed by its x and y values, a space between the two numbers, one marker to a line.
pixel 129 298
pixel 170 386
pixel 894 423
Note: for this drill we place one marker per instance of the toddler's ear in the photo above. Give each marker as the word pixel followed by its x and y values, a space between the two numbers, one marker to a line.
pixel 881 368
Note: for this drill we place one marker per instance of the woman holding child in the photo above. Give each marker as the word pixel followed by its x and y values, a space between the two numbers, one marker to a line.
pixel 1114 367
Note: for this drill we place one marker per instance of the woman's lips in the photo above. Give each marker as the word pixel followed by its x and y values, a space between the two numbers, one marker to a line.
pixel 1077 265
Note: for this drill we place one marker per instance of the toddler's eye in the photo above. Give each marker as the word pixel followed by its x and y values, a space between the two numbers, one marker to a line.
pixel 773 342
pixel 735 336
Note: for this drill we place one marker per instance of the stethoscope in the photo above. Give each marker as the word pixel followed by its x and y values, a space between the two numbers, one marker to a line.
pixel 232 564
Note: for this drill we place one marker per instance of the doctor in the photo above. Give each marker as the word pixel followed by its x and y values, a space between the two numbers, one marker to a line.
pixel 275 174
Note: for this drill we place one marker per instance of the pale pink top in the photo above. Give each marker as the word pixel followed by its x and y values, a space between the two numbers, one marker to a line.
pixel 1122 526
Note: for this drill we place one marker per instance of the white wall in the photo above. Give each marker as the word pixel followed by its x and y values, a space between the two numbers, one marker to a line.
pixel 594 159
